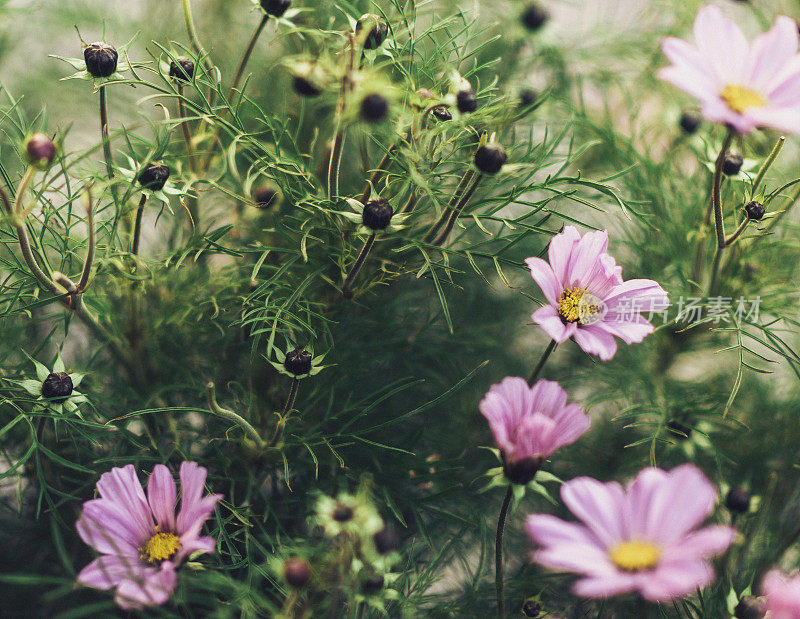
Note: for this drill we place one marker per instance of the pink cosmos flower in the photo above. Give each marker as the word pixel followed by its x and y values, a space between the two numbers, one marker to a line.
pixel 783 595
pixel 530 423
pixel 586 297
pixel 643 538
pixel 739 84
pixel 140 539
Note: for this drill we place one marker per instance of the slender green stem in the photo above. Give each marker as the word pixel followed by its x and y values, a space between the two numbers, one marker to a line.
pixel 22 188
pixel 216 409
pixel 237 77
pixel 773 155
pixel 374 179
pixel 185 130
pixel 737 233
pixel 137 227
pixel 454 199
pixel 719 223
pixel 335 162
pixel 543 359
pixel 498 554
pixel 194 40
pixel 291 397
pixel 108 155
pixel 89 260
pixel 456 212
pixel 347 288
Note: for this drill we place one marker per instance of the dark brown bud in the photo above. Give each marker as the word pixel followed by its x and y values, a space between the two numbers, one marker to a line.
pixel 732 164
pixel 40 150
pixel 490 158
pixel 527 97
pixel 373 584
pixel 534 17
pixel 298 362
pixel 750 607
pixel 531 608
pixel 738 500
pixel 377 214
pixel 154 176
pixel 442 113
pixel 466 101
pixel 265 196
pixel 182 69
pixel 276 8
pixel 522 471
pixel 374 108
pixel 343 513
pixel 100 58
pixel 690 122
pixel 57 386
pixel 305 87
pixel 755 210
pixel 377 35
pixel 386 541
pixel 297 572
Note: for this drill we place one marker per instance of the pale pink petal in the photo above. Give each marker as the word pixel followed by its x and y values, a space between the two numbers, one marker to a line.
pixel 560 251
pixel 153 589
pixel 722 43
pixel 589 560
pixel 668 582
pixel 630 332
pixel 784 90
pixel 543 275
pixel 604 586
pixel 547 318
pixel 108 571
pixel 194 507
pixel 770 52
pixel 109 530
pixel 599 506
pixel 547 530
pixel 690 82
pixel 162 495
pixel 190 545
pixel 596 341
pixel 786 120
pixel 535 436
pixel 572 423
pixel 688 62
pixel 120 485
pixel 585 259
pixel 707 542
pixel 783 595
pixel 547 396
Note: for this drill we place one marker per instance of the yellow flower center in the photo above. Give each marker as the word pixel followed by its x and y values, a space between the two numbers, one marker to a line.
pixel 739 98
pixel 578 305
pixel 635 556
pixel 160 547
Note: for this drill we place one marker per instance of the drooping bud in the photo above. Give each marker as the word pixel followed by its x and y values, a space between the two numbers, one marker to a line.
pixel 522 471
pixel 100 58
pixel 298 362
pixel 264 196
pixel 490 158
pixel 57 386
pixel 690 122
pixel 750 607
pixel 276 8
pixel 377 214
pixel 40 150
pixel 755 210
pixel 154 176
pixel 374 108
pixel 466 101
pixel 732 163
pixel 531 608
pixel 386 541
pixel 182 69
pixel 738 500
pixel 527 97
pixel 342 513
pixel 377 35
pixel 304 87
pixel 297 572
pixel 534 17
pixel 442 113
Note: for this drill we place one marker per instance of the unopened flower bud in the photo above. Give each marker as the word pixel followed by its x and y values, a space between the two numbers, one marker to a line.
pixel 442 113
pixel 57 386
pixel 342 513
pixel 690 122
pixel 154 176
pixel 181 68
pixel 377 214
pixel 534 17
pixel 276 8
pixel 377 35
pixel 297 572
pixel 374 108
pixel 40 150
pixel 373 584
pixel 527 97
pixel 738 500
pixel 386 541
pixel 522 471
pixel 531 608
pixel 100 58
pixel 264 196
pixel 466 101
pixel 750 607
pixel 305 87
pixel 298 362
pixel 755 210
pixel 732 163
pixel 490 158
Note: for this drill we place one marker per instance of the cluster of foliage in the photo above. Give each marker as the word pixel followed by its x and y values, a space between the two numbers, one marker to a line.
pixel 299 261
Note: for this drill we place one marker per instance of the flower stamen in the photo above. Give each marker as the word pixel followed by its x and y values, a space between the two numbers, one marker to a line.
pixel 578 305
pixel 739 98
pixel 160 547
pixel 635 556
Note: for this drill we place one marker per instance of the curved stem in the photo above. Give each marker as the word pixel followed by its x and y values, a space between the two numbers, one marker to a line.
pixel 376 174
pixel 454 199
pixel 107 154
pixel 291 397
pixel 22 188
pixel 335 162
pixel 498 554
pixel 187 134
pixel 87 263
pixel 225 413
pixel 194 40
pixel 347 291
pixel 137 227
pixel 545 356
pixel 773 155
pixel 719 224
pixel 737 233
pixel 237 77
pixel 454 213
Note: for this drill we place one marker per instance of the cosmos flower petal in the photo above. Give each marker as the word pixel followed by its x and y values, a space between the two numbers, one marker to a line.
pixel 782 593
pixel 109 530
pixel 162 495
pixel 560 250
pixel 108 571
pixel 548 530
pixel 770 51
pixel 548 319
pixel 598 506
pixel 707 542
pixel 576 558
pixel 596 341
pixel 121 486
pixel 153 588
pixel 689 81
pixel 606 585
pixel 675 580
pixel 781 119
pixel 585 258
pixel 543 275
pixel 722 43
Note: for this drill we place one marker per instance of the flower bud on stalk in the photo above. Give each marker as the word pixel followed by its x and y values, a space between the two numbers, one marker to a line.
pixel 534 17
pixel 374 108
pixel 531 608
pixel 377 35
pixel 276 8
pixel 750 607
pixel 490 158
pixel 690 122
pixel 527 97
pixel 297 572
pixel 154 176
pixel 738 500
pixel 57 386
pixel 732 164
pixel 40 151
pixel 755 210
pixel 101 59
pixel 182 69
pixel 377 214
pixel 298 362
pixel 466 101
pixel 385 541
